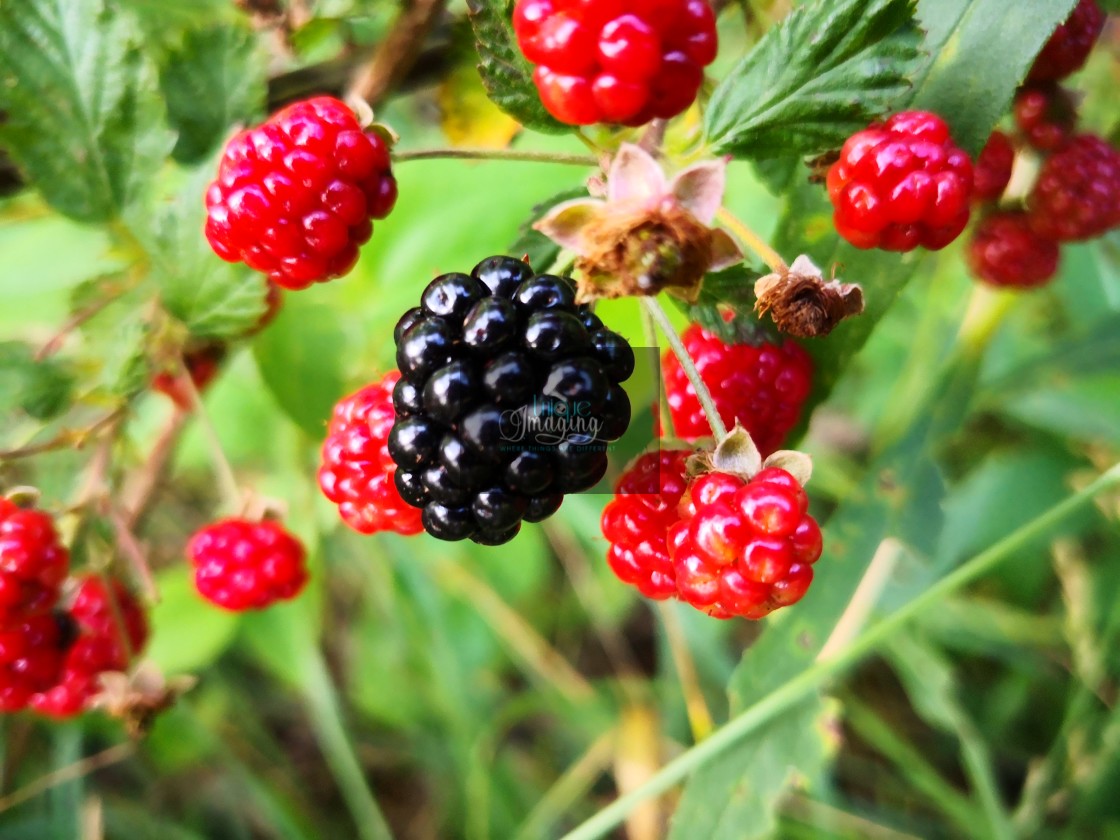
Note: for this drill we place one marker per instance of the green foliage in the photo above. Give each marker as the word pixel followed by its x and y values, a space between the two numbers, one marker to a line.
pixel 733 287
pixel 215 79
pixel 505 72
pixel 41 388
pixel 84 117
pixel 824 72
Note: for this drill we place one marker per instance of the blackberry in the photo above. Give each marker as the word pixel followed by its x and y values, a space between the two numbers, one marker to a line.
pixel 509 394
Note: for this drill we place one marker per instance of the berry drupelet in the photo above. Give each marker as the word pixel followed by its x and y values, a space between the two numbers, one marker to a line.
pixel 616 61
pixel 761 386
pixel 33 564
pixel 243 565
pixel 357 472
pixel 508 394
pixel 294 197
pixel 901 185
pixel 1077 195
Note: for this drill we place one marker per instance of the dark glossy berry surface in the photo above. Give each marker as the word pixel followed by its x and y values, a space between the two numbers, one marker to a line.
pixel 511 393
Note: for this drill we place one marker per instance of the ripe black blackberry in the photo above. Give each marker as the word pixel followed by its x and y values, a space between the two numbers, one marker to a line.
pixel 509 393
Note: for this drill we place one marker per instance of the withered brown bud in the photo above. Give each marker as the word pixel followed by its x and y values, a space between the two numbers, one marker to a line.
pixel 802 304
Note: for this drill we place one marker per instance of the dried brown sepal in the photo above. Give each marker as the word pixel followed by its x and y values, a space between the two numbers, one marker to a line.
pixel 738 455
pixel 137 699
pixel 23 496
pixel 798 464
pixel 802 304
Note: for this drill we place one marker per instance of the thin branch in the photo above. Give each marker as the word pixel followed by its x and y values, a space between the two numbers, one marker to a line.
pixel 752 240
pixel 75 438
pixel 141 485
pixel 68 773
pixel 397 52
pixel 496 154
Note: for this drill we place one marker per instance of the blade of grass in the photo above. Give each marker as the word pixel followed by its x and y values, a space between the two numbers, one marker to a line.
pixel 815 676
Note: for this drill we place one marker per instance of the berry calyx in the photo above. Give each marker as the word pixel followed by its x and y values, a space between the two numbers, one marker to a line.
pixel 762 387
pixel 33 563
pixel 294 197
pixel 637 520
pixel 242 565
pixel 1006 251
pixel 357 473
pixel 1045 115
pixel 622 61
pixel 901 185
pixel 1070 45
pixel 993 168
pixel 1077 194
pixel 509 394
pixel 744 547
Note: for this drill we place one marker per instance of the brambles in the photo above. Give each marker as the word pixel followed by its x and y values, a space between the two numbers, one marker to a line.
pixel 294 197
pixel 508 397
pixel 901 185
pixel 616 62
pixel 357 472
pixel 762 387
pixel 243 565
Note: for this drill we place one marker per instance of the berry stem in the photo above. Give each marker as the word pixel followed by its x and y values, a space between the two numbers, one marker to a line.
pixel 77 770
pixel 227 479
pixel 719 430
pixel 67 438
pixel 496 154
pixel 699 716
pixel 812 678
pixel 663 409
pixel 752 240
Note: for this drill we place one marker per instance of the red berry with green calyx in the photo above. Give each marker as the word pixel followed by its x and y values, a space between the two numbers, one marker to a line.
pixel 357 473
pixel 296 196
pixel 762 387
pixel 901 185
pixel 637 520
pixel 244 565
pixel 616 61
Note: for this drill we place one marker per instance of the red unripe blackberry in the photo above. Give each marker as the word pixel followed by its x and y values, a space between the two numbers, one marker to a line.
pixel 993 168
pixel 1077 195
pixel 762 387
pixel 201 362
pixel 1005 251
pixel 1070 45
pixel 616 61
pixel 744 548
pixel 901 185
pixel 111 631
pixel 242 565
pixel 1046 115
pixel 637 519
pixel 33 563
pixel 357 472
pixel 294 197
pixel 31 651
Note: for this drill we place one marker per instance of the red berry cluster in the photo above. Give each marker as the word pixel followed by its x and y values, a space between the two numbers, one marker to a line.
pixel 725 545
pixel 294 197
pixel 762 387
pixel 1076 195
pixel 637 521
pixel 244 565
pixel 51 653
pixel 901 184
pixel 357 473
pixel 616 61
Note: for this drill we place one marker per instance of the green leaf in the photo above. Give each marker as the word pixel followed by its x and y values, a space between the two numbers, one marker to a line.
pixel 213 81
pixel 300 359
pixel 541 251
pixel 187 633
pixel 978 55
pixel 505 72
pixel 42 389
pixel 84 120
pixel 733 287
pixel 213 298
pixel 736 796
pixel 821 74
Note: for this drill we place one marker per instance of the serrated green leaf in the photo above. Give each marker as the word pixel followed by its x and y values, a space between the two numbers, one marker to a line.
pixel 213 81
pixel 300 359
pixel 213 298
pixel 84 120
pixel 821 74
pixel 505 72
pixel 978 55
pixel 736 796
pixel 733 287
pixel 41 389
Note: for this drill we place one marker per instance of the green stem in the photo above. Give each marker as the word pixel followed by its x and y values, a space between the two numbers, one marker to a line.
pixel 812 678
pixel 649 328
pixel 326 720
pixel 659 317
pixel 496 154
